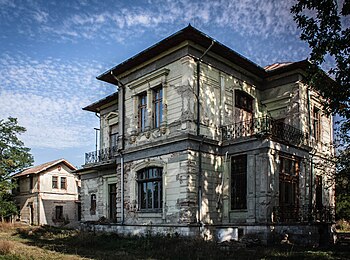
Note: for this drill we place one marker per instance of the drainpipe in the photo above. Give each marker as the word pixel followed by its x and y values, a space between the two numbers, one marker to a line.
pixel 198 134
pixel 122 87
pixel 311 157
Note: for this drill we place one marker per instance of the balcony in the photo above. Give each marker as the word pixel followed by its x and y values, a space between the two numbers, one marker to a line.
pixel 304 214
pixel 100 155
pixel 262 127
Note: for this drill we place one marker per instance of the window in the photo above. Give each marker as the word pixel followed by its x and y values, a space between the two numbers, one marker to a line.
pixel 30 181
pixel 319 203
pixel 93 204
pixel 239 182
pixel 59 213
pixel 63 183
pixel 112 201
pixel 157 107
pixel 113 135
pixel 150 188
pixel 142 111
pixel 54 182
pixel 316 123
pixel 243 101
pixel 289 183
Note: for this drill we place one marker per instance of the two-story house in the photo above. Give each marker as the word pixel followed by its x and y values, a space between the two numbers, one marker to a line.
pixel 48 194
pixel 200 141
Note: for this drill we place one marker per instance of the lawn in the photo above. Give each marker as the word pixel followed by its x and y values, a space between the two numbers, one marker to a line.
pixel 23 242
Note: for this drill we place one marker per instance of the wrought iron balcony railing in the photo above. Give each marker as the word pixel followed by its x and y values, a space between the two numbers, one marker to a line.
pixel 100 155
pixel 304 214
pixel 264 126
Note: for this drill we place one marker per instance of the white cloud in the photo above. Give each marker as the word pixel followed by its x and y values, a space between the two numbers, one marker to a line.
pixel 47 97
pixel 104 20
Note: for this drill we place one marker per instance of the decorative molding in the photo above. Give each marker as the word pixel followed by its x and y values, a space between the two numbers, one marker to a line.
pixel 146 79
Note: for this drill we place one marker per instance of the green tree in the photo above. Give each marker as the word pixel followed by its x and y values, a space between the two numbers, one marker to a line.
pixel 13 158
pixel 325 26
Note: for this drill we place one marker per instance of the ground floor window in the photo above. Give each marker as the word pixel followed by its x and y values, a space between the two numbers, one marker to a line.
pixel 239 182
pixel 59 213
pixel 93 204
pixel 150 188
pixel 112 189
pixel 288 188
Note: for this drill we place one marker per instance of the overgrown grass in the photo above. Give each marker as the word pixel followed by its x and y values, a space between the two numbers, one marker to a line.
pixel 55 243
pixel 343 226
pixel 6 247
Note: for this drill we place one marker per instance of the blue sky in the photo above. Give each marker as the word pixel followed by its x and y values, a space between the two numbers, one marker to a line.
pixel 51 52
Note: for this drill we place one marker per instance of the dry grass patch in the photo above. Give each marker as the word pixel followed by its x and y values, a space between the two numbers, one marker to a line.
pixel 6 247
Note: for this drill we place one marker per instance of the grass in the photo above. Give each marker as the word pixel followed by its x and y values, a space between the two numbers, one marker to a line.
pixel 23 242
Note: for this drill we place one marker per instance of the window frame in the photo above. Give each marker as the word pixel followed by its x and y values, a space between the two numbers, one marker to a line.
pixel 316 123
pixel 142 111
pixel 239 176
pixel 65 183
pixel 59 213
pixel 93 204
pixel 55 182
pixel 244 101
pixel 31 182
pixel 289 181
pixel 157 110
pixel 146 179
pixel 112 201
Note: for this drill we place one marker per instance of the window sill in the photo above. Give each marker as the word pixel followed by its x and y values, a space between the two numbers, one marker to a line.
pixel 150 214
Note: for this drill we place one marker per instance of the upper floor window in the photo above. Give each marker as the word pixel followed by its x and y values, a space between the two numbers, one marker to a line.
pixel 243 100
pixel 63 183
pixel 239 182
pixel 142 111
pixel 157 107
pixel 316 118
pixel 113 135
pixel 150 188
pixel 54 182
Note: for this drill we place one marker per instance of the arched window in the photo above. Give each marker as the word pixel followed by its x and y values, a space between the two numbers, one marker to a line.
pixel 150 188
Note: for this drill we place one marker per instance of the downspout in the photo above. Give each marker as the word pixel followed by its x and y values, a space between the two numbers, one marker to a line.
pixel 199 220
pixel 122 86
pixel 311 157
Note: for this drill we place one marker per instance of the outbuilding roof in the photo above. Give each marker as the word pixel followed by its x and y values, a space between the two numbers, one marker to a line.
pixel 42 167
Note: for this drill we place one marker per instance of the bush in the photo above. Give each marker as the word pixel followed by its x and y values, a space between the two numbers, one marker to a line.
pixel 343 225
pixel 6 247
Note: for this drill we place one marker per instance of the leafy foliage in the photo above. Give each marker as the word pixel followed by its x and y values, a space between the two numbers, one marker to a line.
pixel 13 157
pixel 323 29
pixel 325 26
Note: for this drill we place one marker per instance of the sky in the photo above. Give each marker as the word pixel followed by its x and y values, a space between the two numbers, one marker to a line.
pixel 52 51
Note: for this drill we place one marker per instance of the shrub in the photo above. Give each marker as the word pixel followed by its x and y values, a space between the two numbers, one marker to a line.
pixel 5 247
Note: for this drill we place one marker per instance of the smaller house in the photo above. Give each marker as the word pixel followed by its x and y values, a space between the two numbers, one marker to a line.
pixel 48 194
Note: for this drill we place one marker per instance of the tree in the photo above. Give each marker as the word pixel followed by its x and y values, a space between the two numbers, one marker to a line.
pixel 325 26
pixel 13 158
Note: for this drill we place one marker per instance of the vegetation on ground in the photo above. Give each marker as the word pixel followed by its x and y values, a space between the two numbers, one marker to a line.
pixel 25 242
